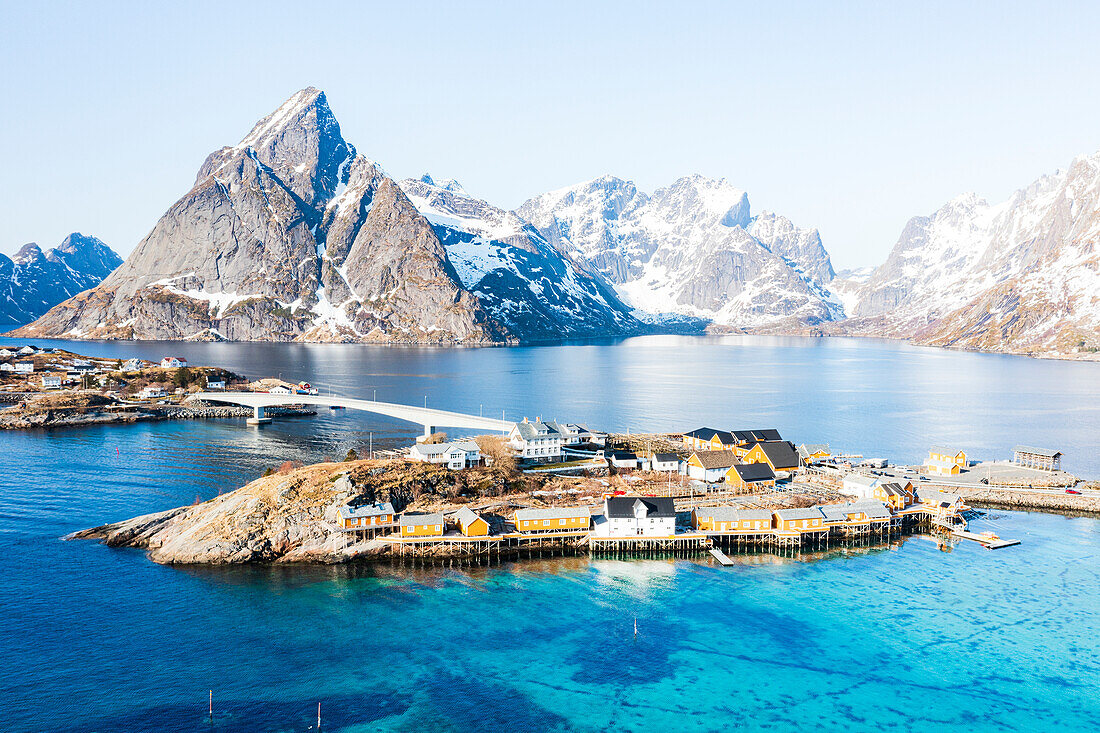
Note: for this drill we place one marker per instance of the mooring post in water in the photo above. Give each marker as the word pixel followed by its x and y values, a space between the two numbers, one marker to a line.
pixel 210 706
pixel 318 716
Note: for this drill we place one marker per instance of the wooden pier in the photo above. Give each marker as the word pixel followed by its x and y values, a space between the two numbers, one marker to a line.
pixel 988 540
pixel 721 557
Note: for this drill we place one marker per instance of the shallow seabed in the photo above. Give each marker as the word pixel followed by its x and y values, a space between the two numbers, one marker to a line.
pixel 908 637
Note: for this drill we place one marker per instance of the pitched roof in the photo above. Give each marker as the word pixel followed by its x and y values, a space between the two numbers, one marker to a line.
pixel 840 512
pixel 780 453
pixel 732 513
pixel 665 457
pixel 537 429
pixel 754 472
pixel 944 450
pixel 812 512
pixel 1046 452
pixel 435 449
pixel 366 510
pixel 724 436
pixel 408 520
pixel 808 449
pixel 756 436
pixel 655 506
pixel 716 458
pixel 466 516
pixel 862 479
pixel 563 512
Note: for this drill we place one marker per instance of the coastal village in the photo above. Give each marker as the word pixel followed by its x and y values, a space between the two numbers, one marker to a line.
pixel 704 489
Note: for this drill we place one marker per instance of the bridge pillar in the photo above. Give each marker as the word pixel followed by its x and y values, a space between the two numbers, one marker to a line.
pixel 258 417
pixel 428 430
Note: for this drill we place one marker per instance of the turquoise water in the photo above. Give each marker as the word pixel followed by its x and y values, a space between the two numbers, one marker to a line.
pixel 908 637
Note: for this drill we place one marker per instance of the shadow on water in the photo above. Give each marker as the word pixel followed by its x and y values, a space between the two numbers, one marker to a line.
pixel 269 716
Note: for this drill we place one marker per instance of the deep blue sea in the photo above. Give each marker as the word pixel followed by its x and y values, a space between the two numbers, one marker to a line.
pixel 913 636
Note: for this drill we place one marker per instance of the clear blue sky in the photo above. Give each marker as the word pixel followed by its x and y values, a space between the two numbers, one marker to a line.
pixel 851 118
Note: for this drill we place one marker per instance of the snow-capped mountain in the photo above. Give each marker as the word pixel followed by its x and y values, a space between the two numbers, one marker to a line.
pixel 292 234
pixel 526 284
pixel 34 281
pixel 1021 275
pixel 692 249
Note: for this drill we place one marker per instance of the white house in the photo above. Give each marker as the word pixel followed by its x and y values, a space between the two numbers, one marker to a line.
pixel 131 365
pixel 860 485
pixel 6 353
pixel 536 442
pixel 662 462
pixel 153 391
pixel 51 381
pixel 173 362
pixel 638 516
pixel 6 367
pixel 710 465
pixel 27 350
pixel 215 384
pixel 622 459
pixel 457 454
pixel 24 367
pixel 279 389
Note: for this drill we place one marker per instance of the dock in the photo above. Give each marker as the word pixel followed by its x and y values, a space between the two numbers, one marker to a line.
pixel 721 557
pixel 991 542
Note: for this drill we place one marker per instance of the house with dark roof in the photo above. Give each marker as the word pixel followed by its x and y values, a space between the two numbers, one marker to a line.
pixel 639 516
pixel 750 476
pixel 709 439
pixel 748 437
pixel 779 454
pixel 661 462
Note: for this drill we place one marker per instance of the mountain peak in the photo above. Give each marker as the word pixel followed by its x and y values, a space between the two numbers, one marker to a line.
pixel 29 251
pixel 447 184
pixel 294 111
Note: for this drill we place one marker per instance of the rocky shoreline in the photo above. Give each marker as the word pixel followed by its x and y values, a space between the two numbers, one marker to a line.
pixel 291 516
pixel 24 419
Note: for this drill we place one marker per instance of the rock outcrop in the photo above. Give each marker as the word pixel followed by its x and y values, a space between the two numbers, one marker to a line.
pixel 34 281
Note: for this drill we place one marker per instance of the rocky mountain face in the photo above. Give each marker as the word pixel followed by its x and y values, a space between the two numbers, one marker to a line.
pixel 528 286
pixel 692 249
pixel 288 235
pixel 1021 276
pixel 34 281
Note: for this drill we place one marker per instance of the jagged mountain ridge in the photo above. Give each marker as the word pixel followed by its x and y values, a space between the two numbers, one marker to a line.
pixel 528 285
pixel 293 235
pixel 1021 276
pixel 693 249
pixel 34 281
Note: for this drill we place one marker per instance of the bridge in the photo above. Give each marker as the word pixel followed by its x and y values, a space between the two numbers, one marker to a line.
pixel 428 417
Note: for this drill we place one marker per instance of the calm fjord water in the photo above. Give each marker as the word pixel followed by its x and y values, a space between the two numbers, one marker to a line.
pixel 909 637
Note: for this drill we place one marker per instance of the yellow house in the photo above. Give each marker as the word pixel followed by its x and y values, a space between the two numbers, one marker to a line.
pixel 779 454
pixel 710 465
pixel 895 495
pixel 800 520
pixel 750 476
pixel 470 523
pixel 709 439
pixel 731 519
pixel 946 461
pixel 814 452
pixel 422 525
pixel 365 516
pixel 553 519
